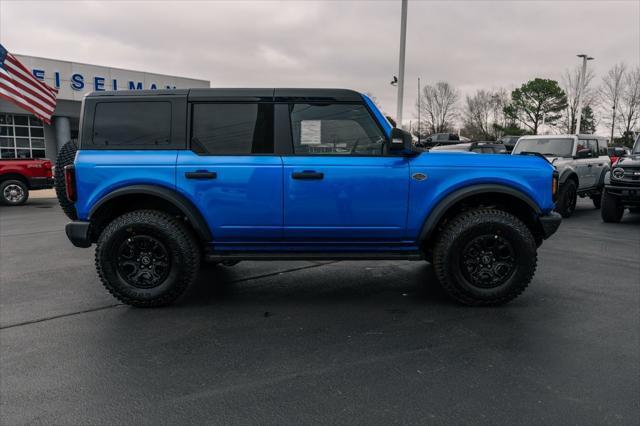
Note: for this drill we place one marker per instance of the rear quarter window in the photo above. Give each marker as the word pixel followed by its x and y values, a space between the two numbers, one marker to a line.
pixel 131 125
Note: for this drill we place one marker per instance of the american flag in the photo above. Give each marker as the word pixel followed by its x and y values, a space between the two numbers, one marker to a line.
pixel 19 86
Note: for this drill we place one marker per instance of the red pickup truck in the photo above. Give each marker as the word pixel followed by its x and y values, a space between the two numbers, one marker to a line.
pixel 19 176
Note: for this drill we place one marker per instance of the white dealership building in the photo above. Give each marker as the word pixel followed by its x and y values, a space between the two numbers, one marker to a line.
pixel 23 135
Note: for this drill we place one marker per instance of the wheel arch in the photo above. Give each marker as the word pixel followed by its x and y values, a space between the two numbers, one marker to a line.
pixel 603 175
pixel 505 197
pixel 14 176
pixel 569 174
pixel 136 197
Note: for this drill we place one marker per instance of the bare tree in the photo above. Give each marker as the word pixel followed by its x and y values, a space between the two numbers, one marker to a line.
pixel 478 115
pixel 610 93
pixel 630 102
pixel 438 107
pixel 574 88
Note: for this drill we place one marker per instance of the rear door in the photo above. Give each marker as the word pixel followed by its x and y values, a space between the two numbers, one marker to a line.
pixel 338 183
pixel 584 166
pixel 231 172
pixel 602 160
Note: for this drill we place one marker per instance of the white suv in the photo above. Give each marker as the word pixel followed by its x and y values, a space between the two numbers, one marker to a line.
pixel 582 162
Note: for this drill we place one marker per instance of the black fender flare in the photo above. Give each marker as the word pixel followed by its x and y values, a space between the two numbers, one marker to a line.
pixel 565 175
pixel 603 174
pixel 178 200
pixel 438 212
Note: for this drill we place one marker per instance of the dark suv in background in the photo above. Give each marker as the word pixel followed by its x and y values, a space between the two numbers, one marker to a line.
pixel 622 187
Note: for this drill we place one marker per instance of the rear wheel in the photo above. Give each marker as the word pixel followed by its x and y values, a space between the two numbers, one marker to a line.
pixel 567 198
pixel 612 210
pixel 65 157
pixel 485 257
pixel 13 192
pixel 147 258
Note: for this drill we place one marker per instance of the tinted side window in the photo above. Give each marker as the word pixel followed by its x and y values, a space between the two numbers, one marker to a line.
pixel 592 144
pixel 132 124
pixel 335 129
pixel 239 129
pixel 602 147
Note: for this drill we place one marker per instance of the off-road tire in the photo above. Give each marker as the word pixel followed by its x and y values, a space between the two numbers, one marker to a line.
pixel 460 233
pixel 612 210
pixel 182 252
pixel 567 198
pixel 65 157
pixel 23 191
pixel 597 200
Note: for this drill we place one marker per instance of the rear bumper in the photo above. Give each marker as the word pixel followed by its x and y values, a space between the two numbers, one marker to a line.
pixel 627 194
pixel 78 233
pixel 40 182
pixel 550 223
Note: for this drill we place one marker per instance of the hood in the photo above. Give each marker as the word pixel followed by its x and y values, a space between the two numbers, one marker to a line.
pixel 632 160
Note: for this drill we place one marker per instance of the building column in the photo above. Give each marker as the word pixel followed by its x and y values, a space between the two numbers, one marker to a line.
pixel 50 144
pixel 63 131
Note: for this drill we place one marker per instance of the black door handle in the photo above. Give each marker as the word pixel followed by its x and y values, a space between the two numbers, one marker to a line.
pixel 590 165
pixel 307 175
pixel 201 174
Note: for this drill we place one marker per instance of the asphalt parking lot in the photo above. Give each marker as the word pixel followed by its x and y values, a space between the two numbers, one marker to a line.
pixel 320 342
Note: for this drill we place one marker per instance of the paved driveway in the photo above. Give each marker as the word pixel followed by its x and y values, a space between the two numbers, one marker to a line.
pixel 320 342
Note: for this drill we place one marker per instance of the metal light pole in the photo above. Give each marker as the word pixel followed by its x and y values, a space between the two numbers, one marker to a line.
pixel 418 110
pixel 403 40
pixel 582 82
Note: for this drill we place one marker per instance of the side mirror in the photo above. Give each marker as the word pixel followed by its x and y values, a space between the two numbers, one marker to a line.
pixel 584 153
pixel 429 140
pixel 399 141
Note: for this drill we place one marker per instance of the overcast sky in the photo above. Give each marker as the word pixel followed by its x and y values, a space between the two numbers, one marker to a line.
pixel 351 44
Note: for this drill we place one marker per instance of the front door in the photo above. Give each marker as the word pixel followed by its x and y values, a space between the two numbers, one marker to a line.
pixel 231 173
pixel 339 186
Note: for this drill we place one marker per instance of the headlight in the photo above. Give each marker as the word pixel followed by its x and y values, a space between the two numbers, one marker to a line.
pixel 618 173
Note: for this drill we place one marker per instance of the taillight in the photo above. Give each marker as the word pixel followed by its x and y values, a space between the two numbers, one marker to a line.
pixel 48 166
pixel 554 186
pixel 70 182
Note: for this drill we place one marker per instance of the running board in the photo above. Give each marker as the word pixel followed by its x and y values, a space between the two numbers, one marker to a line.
pixel 218 257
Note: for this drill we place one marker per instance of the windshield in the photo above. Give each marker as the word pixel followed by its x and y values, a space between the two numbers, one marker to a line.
pixel 553 147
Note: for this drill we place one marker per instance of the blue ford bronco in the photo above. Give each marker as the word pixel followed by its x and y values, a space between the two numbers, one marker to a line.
pixel 162 181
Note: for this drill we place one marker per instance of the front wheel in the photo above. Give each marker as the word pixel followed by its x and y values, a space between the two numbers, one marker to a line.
pixel 147 258
pixel 13 193
pixel 485 257
pixel 612 210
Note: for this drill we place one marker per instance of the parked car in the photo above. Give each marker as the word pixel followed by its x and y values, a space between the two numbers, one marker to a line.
pixel 509 141
pixel 616 152
pixel 622 187
pixel 581 160
pixel 19 176
pixel 437 139
pixel 163 180
pixel 479 147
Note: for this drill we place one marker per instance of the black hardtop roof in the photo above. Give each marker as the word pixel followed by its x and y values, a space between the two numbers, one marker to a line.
pixel 244 94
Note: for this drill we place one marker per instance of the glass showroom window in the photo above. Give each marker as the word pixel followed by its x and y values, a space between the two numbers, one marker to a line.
pixel 21 136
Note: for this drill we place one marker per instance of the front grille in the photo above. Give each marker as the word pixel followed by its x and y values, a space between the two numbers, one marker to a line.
pixel 631 175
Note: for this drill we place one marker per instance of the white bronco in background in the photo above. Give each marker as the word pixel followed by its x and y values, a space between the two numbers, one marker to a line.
pixel 582 162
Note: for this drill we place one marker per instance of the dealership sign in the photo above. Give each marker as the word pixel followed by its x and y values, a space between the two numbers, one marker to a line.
pixel 77 82
pixel 73 79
